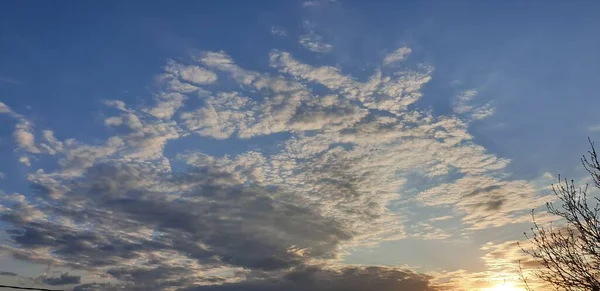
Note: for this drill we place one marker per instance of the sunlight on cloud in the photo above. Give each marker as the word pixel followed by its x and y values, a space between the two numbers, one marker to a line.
pixel 258 220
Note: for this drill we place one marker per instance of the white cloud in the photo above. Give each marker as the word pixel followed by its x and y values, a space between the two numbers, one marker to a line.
pixel 315 3
pixel 51 145
pixel 4 108
pixel 222 115
pixel 350 152
pixel 398 55
pixel 2 176
pixel 25 161
pixel 116 104
pixel 310 3
pixel 463 104
pixel 390 93
pixel 24 137
pixel 23 133
pixel 315 43
pixel 113 121
pixel 191 73
pixel 486 201
pixel 279 31
pixel 594 128
pixel 167 104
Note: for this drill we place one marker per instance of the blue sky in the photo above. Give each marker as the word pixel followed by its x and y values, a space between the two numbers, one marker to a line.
pixel 334 136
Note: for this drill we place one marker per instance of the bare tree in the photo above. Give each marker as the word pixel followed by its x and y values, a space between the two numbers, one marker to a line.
pixel 569 254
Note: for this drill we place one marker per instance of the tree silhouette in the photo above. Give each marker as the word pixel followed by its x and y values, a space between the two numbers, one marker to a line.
pixel 569 254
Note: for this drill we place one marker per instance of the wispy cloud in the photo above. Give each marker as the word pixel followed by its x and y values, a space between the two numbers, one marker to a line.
pixel 315 43
pixel 464 104
pixel 396 56
pixel 279 31
pixel 594 128
pixel 315 3
pixel 9 80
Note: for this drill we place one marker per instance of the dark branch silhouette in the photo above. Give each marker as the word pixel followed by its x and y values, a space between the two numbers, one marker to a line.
pixel 569 255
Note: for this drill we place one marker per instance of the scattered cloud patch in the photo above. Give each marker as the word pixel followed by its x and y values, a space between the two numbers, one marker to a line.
pixel 463 104
pixel 594 128
pixel 315 43
pixel 310 3
pixel 279 31
pixel 25 161
pixel 190 73
pixel 63 279
pixel 396 56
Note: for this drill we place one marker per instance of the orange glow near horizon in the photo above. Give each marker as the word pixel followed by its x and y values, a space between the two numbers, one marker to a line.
pixel 505 286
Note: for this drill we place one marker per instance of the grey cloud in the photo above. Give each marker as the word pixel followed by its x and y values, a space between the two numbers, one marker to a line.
pixel 254 221
pixel 96 287
pixel 483 190
pixel 314 278
pixel 10 274
pixel 64 279
pixel 213 222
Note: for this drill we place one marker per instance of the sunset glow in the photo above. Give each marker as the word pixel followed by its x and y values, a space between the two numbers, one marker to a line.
pixel 293 145
pixel 508 286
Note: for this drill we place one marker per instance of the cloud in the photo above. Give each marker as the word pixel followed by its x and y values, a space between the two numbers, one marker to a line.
pixel 485 201
pixel 397 56
pixel 10 274
pixel 4 108
pixel 441 218
pixel 64 279
pixel 463 105
pixel 315 43
pixel 201 220
pixel 25 161
pixel 2 176
pixel 279 31
pixel 594 128
pixel 96 287
pixel 191 73
pixel 389 93
pixel 502 260
pixel 24 137
pixel 9 80
pixel 23 133
pixel 315 3
pixel 346 279
pixel 310 3
pixel 268 220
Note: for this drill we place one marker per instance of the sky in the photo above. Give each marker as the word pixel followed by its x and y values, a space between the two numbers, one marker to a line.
pixel 287 145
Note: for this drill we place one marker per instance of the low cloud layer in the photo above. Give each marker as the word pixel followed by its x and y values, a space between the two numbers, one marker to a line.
pixel 63 279
pixel 346 279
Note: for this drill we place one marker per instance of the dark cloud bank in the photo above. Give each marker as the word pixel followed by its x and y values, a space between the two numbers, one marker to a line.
pixel 128 219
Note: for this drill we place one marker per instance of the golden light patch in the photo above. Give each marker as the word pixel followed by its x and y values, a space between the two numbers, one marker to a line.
pixel 506 286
